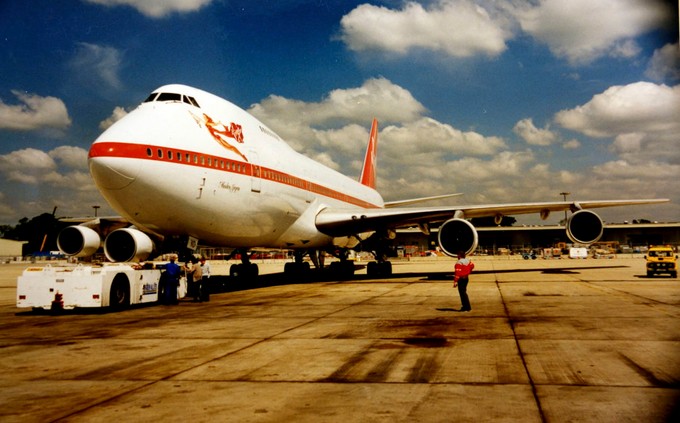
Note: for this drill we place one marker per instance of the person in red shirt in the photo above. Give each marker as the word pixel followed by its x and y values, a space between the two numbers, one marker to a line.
pixel 463 269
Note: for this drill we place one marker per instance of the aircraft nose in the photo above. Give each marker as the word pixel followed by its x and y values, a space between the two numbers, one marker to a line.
pixel 111 173
pixel 111 170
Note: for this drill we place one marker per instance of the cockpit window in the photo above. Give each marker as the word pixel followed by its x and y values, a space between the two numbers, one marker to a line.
pixel 169 97
pixel 172 97
pixel 151 97
pixel 193 101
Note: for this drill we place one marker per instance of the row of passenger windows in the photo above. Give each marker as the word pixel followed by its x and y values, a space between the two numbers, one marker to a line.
pixel 222 164
pixel 172 97
pixel 241 168
pixel 197 159
pixel 286 179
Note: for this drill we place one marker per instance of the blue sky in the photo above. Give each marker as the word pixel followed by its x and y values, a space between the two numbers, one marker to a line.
pixel 505 101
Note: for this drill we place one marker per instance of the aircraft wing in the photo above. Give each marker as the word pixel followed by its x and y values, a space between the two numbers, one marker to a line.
pixel 341 222
pixel 95 220
pixel 392 204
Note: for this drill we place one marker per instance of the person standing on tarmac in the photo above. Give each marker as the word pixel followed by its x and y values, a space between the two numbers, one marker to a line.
pixel 463 269
pixel 205 282
pixel 172 274
pixel 194 275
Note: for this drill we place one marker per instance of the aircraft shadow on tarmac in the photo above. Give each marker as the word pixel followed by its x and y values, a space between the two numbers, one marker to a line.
pixel 227 284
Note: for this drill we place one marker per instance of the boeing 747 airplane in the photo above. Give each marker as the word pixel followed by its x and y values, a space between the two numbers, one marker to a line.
pixel 189 165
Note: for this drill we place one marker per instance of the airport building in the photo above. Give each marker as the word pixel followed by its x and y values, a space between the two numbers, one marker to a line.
pixel 10 248
pixel 496 240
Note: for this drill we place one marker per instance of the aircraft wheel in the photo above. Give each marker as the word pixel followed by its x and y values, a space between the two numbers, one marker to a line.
pixel 379 268
pixel 119 297
pixel 253 271
pixel 296 269
pixel 244 271
pixel 387 268
pixel 372 268
pixel 235 270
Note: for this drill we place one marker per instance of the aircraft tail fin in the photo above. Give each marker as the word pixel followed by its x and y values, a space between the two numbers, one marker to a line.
pixel 368 172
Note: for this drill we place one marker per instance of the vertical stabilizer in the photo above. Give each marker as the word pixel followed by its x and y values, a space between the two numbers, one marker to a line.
pixel 368 172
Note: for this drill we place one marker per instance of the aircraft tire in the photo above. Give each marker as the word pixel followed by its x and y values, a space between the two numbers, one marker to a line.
pixel 296 269
pixel 235 270
pixel 243 271
pixel 119 296
pixel 253 271
pixel 388 268
pixel 379 268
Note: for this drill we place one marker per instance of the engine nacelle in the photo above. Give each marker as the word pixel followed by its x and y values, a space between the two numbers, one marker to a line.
pixel 584 227
pixel 127 244
pixel 457 235
pixel 79 241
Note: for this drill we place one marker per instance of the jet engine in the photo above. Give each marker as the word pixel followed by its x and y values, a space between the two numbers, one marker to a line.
pixel 457 235
pixel 584 227
pixel 127 244
pixel 79 241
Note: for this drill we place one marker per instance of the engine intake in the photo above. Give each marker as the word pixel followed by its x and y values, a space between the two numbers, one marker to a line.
pixel 584 227
pixel 457 235
pixel 127 244
pixel 79 241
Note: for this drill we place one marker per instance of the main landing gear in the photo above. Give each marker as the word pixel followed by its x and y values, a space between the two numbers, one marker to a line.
pixel 343 269
pixel 298 267
pixel 244 270
pixel 381 266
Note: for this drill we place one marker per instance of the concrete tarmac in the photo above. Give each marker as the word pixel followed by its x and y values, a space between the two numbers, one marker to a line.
pixel 546 341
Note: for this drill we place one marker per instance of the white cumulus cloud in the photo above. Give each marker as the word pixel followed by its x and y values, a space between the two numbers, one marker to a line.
pixel 70 157
pixel 117 114
pixel 97 64
pixel 34 112
pixel 156 8
pixel 458 28
pixel 377 97
pixel 584 30
pixel 665 63
pixel 32 166
pixel 639 107
pixel 641 118
pixel 334 132
pixel 28 166
pixel 526 129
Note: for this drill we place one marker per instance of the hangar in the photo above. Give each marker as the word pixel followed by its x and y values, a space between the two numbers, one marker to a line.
pixel 10 248
pixel 522 238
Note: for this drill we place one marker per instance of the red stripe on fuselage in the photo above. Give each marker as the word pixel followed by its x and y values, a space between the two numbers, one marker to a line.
pixel 192 158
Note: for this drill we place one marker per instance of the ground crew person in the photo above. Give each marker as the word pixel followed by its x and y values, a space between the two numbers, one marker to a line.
pixel 171 280
pixel 463 269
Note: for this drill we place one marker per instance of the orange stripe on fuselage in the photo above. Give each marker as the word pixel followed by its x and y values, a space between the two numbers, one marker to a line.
pixel 192 158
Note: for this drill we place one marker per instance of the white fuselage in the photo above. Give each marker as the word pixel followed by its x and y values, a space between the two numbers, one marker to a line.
pixel 200 166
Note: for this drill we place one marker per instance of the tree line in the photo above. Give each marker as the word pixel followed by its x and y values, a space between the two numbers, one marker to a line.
pixel 40 232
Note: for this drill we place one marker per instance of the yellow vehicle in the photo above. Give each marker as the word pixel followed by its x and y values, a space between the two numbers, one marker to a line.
pixel 661 259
